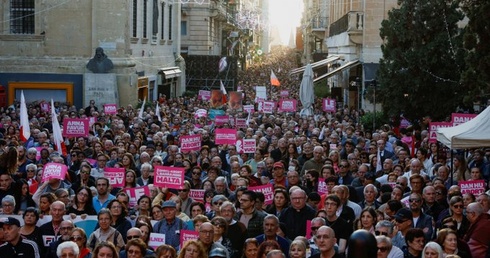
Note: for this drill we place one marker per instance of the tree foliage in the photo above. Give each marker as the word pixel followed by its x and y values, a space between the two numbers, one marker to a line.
pixel 476 77
pixel 422 60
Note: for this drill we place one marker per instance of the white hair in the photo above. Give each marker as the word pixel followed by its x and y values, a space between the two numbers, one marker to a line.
pixel 66 245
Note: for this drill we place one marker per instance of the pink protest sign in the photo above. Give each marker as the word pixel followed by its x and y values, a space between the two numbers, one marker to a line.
pixel 268 106
pixel 156 240
pixel 38 154
pixel 91 161
pixel 460 118
pixel 475 187
pixel 197 194
pixel 287 105
pixel 329 105
pixel 322 186
pixel 249 108
pixel 200 113
pixel 75 127
pixel 169 177
pixel 221 120
pixel 267 190
pixel 110 109
pixel 241 123
pixel 135 193
pixel 284 93
pixel 92 120
pixel 433 126
pixel 204 95
pixel 225 136
pixel 186 235
pixel 190 142
pixel 246 146
pixel 45 107
pixel 54 170
pixel 308 229
pixel 116 176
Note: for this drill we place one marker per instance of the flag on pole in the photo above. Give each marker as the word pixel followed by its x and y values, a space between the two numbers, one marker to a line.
pixel 223 90
pixel 25 129
pixel 379 166
pixel 274 80
pixel 142 108
pixel 157 110
pixel 59 144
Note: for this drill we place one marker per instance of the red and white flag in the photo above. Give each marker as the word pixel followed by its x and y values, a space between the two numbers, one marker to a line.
pixel 274 80
pixel 223 90
pixel 58 138
pixel 140 114
pixel 25 129
pixel 157 111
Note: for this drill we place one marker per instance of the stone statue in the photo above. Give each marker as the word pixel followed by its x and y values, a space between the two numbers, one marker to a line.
pixel 100 63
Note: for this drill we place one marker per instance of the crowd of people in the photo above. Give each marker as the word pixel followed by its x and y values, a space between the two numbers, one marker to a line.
pixel 338 190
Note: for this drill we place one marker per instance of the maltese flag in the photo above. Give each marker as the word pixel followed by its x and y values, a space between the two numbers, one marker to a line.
pixel 58 138
pixel 274 80
pixel 25 129
pixel 222 88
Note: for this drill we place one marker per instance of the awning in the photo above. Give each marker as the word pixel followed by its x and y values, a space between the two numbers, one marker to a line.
pixel 170 72
pixel 326 61
pixel 347 65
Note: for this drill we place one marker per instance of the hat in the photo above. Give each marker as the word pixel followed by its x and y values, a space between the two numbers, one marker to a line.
pixel 169 204
pixel 278 165
pixel 217 252
pixel 218 198
pixel 403 214
pixel 9 221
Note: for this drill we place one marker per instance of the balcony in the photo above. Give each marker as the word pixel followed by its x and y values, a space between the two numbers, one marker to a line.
pixel 319 26
pixel 352 23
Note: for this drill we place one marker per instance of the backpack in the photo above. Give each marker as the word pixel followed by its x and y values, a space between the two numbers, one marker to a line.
pixel 93 243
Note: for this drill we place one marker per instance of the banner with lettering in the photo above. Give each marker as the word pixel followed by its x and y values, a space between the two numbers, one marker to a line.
pixel 110 109
pixel 135 193
pixel 54 170
pixel 197 194
pixel 329 105
pixel 116 176
pixel 461 118
pixel 267 107
pixel 322 186
pixel 186 235
pixel 240 123
pixel 284 93
pixel 215 112
pixel 249 108
pixel 156 240
pixel 190 142
pixel 225 136
pixel 170 177
pixel 221 120
pixel 267 190
pixel 474 187
pixel 287 105
pixel 204 95
pixel 75 127
pixel 246 146
pixel 200 113
pixel 433 126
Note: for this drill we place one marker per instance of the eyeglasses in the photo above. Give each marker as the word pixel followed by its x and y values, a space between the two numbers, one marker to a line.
pixel 84 172
pixel 30 170
pixel 314 228
pixel 66 228
pixel 378 233
pixel 414 200
pixel 196 173
pixel 438 193
pixel 219 225
pixel 458 206
pixel 382 249
pixel 116 207
pixel 102 160
pixel 73 155
pixel 76 238
pixel 132 237
pixel 218 203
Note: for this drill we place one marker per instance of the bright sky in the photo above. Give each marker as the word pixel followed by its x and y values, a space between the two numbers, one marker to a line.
pixel 286 14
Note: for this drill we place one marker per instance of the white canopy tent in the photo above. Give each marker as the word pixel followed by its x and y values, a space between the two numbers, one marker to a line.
pixel 472 134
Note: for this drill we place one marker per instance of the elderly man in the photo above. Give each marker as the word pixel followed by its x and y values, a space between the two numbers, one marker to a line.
pixel 477 235
pixel 135 233
pixel 296 215
pixel 68 249
pixel 385 228
pixel 370 193
pixel 237 232
pixel 170 225
pixel 315 163
pixel 271 226
pixel 325 240
pixel 15 245
pixel 65 230
pixel 206 235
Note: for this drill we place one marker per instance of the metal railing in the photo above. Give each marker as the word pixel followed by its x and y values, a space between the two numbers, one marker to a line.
pixel 350 22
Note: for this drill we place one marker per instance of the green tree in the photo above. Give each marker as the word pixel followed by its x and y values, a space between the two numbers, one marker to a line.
pixel 422 60
pixel 476 77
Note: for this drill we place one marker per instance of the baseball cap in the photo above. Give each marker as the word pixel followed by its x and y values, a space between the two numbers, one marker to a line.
pixel 9 221
pixel 169 204
pixel 403 214
pixel 278 165
pixel 217 252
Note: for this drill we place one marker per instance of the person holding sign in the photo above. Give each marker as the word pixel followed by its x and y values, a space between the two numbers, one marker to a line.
pixel 170 225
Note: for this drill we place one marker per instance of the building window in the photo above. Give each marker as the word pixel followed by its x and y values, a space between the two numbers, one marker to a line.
pixel 183 28
pixel 162 35
pixel 135 18
pixel 22 16
pixel 145 19
pixel 170 22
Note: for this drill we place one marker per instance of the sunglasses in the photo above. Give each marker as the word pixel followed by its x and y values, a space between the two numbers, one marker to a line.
pixel 218 203
pixel 414 200
pixel 132 237
pixel 379 233
pixel 314 228
pixel 76 238
pixel 383 249
pixel 219 225
pixel 459 206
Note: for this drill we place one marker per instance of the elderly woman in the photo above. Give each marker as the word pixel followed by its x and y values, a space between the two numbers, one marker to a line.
pixel 67 249
pixel 30 231
pixel 8 205
pixel 432 250
pixel 105 233
pixel 448 240
pixel 220 226
pixel 80 238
